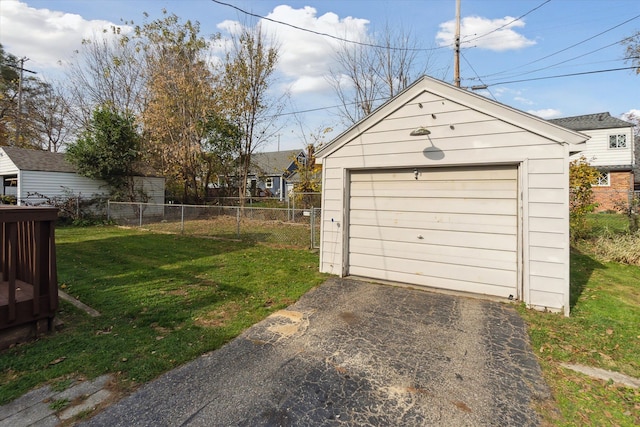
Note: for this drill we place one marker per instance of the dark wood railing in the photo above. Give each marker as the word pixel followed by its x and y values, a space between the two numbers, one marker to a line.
pixel 29 286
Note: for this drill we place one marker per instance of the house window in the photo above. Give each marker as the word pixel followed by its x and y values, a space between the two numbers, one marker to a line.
pixel 268 182
pixel 618 141
pixel 603 179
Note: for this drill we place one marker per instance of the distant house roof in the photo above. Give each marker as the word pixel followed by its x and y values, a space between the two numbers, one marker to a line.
pixel 45 161
pixel 273 163
pixel 37 160
pixel 591 122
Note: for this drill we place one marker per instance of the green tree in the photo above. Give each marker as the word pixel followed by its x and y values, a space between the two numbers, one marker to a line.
pixel 108 150
pixel 582 177
pixel 9 77
pixel 221 143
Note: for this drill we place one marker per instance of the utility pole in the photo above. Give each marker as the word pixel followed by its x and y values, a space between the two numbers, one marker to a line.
pixel 456 58
pixel 19 114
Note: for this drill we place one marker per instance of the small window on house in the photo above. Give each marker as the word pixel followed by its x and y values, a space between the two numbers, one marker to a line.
pixel 618 141
pixel 268 182
pixel 603 179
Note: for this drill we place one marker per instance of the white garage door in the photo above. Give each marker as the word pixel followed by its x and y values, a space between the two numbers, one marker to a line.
pixel 452 228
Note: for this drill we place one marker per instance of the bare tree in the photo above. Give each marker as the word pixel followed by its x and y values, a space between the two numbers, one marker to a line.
pixel 107 70
pixel 632 44
pixel 51 117
pixel 367 75
pixel 248 75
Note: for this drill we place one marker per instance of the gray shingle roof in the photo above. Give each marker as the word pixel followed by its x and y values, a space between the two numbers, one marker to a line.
pixel 591 122
pixel 273 163
pixel 36 160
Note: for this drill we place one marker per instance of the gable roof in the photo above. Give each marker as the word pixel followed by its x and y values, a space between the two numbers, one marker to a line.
pixel 274 162
pixel 37 160
pixel 464 97
pixel 591 122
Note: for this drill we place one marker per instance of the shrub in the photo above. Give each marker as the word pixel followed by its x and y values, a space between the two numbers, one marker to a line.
pixel 582 176
pixel 622 248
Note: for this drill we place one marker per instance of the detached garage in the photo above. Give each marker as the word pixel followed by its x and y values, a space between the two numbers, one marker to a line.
pixel 443 188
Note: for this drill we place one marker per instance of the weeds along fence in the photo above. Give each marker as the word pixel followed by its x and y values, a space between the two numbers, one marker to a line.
pixel 285 226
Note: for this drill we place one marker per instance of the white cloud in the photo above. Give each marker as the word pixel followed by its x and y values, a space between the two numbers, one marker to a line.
pixel 523 100
pixel 502 37
pixel 305 58
pixel 546 113
pixel 53 36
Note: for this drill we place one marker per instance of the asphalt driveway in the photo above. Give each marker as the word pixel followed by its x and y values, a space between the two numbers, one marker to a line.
pixel 360 354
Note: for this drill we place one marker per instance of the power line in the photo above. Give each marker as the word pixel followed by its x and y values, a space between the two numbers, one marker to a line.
pixel 508 23
pixel 275 21
pixel 484 86
pixel 563 75
pixel 566 48
pixel 566 60
pixel 483 83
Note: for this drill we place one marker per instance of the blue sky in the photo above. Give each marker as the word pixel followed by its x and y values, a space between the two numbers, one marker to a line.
pixel 553 38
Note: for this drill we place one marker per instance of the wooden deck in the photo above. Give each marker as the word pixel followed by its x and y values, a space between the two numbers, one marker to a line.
pixel 28 276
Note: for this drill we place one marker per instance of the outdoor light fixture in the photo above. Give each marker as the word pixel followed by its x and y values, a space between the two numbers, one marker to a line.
pixel 415 173
pixel 421 131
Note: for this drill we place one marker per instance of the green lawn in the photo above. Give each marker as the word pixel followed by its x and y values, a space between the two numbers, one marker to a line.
pixel 603 331
pixel 164 299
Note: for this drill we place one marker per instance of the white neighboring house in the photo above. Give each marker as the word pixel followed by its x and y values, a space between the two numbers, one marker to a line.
pixel 443 188
pixel 25 173
pixel 611 150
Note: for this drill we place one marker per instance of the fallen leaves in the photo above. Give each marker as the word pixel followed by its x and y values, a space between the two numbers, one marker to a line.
pixel 56 361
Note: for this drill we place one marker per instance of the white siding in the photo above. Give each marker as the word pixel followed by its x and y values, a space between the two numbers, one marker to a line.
pixel 153 188
pixel 53 184
pixel 6 165
pixel 460 136
pixel 453 228
pixel 597 150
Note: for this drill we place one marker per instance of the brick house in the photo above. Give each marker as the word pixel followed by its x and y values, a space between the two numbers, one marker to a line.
pixel 611 150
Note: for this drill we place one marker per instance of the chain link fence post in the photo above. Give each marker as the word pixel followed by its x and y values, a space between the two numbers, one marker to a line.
pixel 238 222
pixel 182 219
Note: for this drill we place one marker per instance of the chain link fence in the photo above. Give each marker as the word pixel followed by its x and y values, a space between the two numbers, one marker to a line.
pixel 283 226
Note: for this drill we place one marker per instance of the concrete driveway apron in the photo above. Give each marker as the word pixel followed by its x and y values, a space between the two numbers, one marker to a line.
pixel 360 354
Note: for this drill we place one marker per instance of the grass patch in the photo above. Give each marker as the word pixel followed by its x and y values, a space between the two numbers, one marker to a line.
pixel 59 405
pixel 272 231
pixel 602 332
pixel 606 224
pixel 165 299
pixel 611 240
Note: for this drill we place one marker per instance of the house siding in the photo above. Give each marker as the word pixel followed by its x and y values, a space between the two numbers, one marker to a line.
pixel 460 136
pixel 597 150
pixel 56 184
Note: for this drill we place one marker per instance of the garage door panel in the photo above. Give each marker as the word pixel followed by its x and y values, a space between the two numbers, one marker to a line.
pixel 455 228
pixel 437 174
pixel 400 218
pixel 464 273
pixel 423 221
pixel 449 186
pixel 438 194
pixel 470 206
pixel 435 282
pixel 488 258
pixel 434 237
